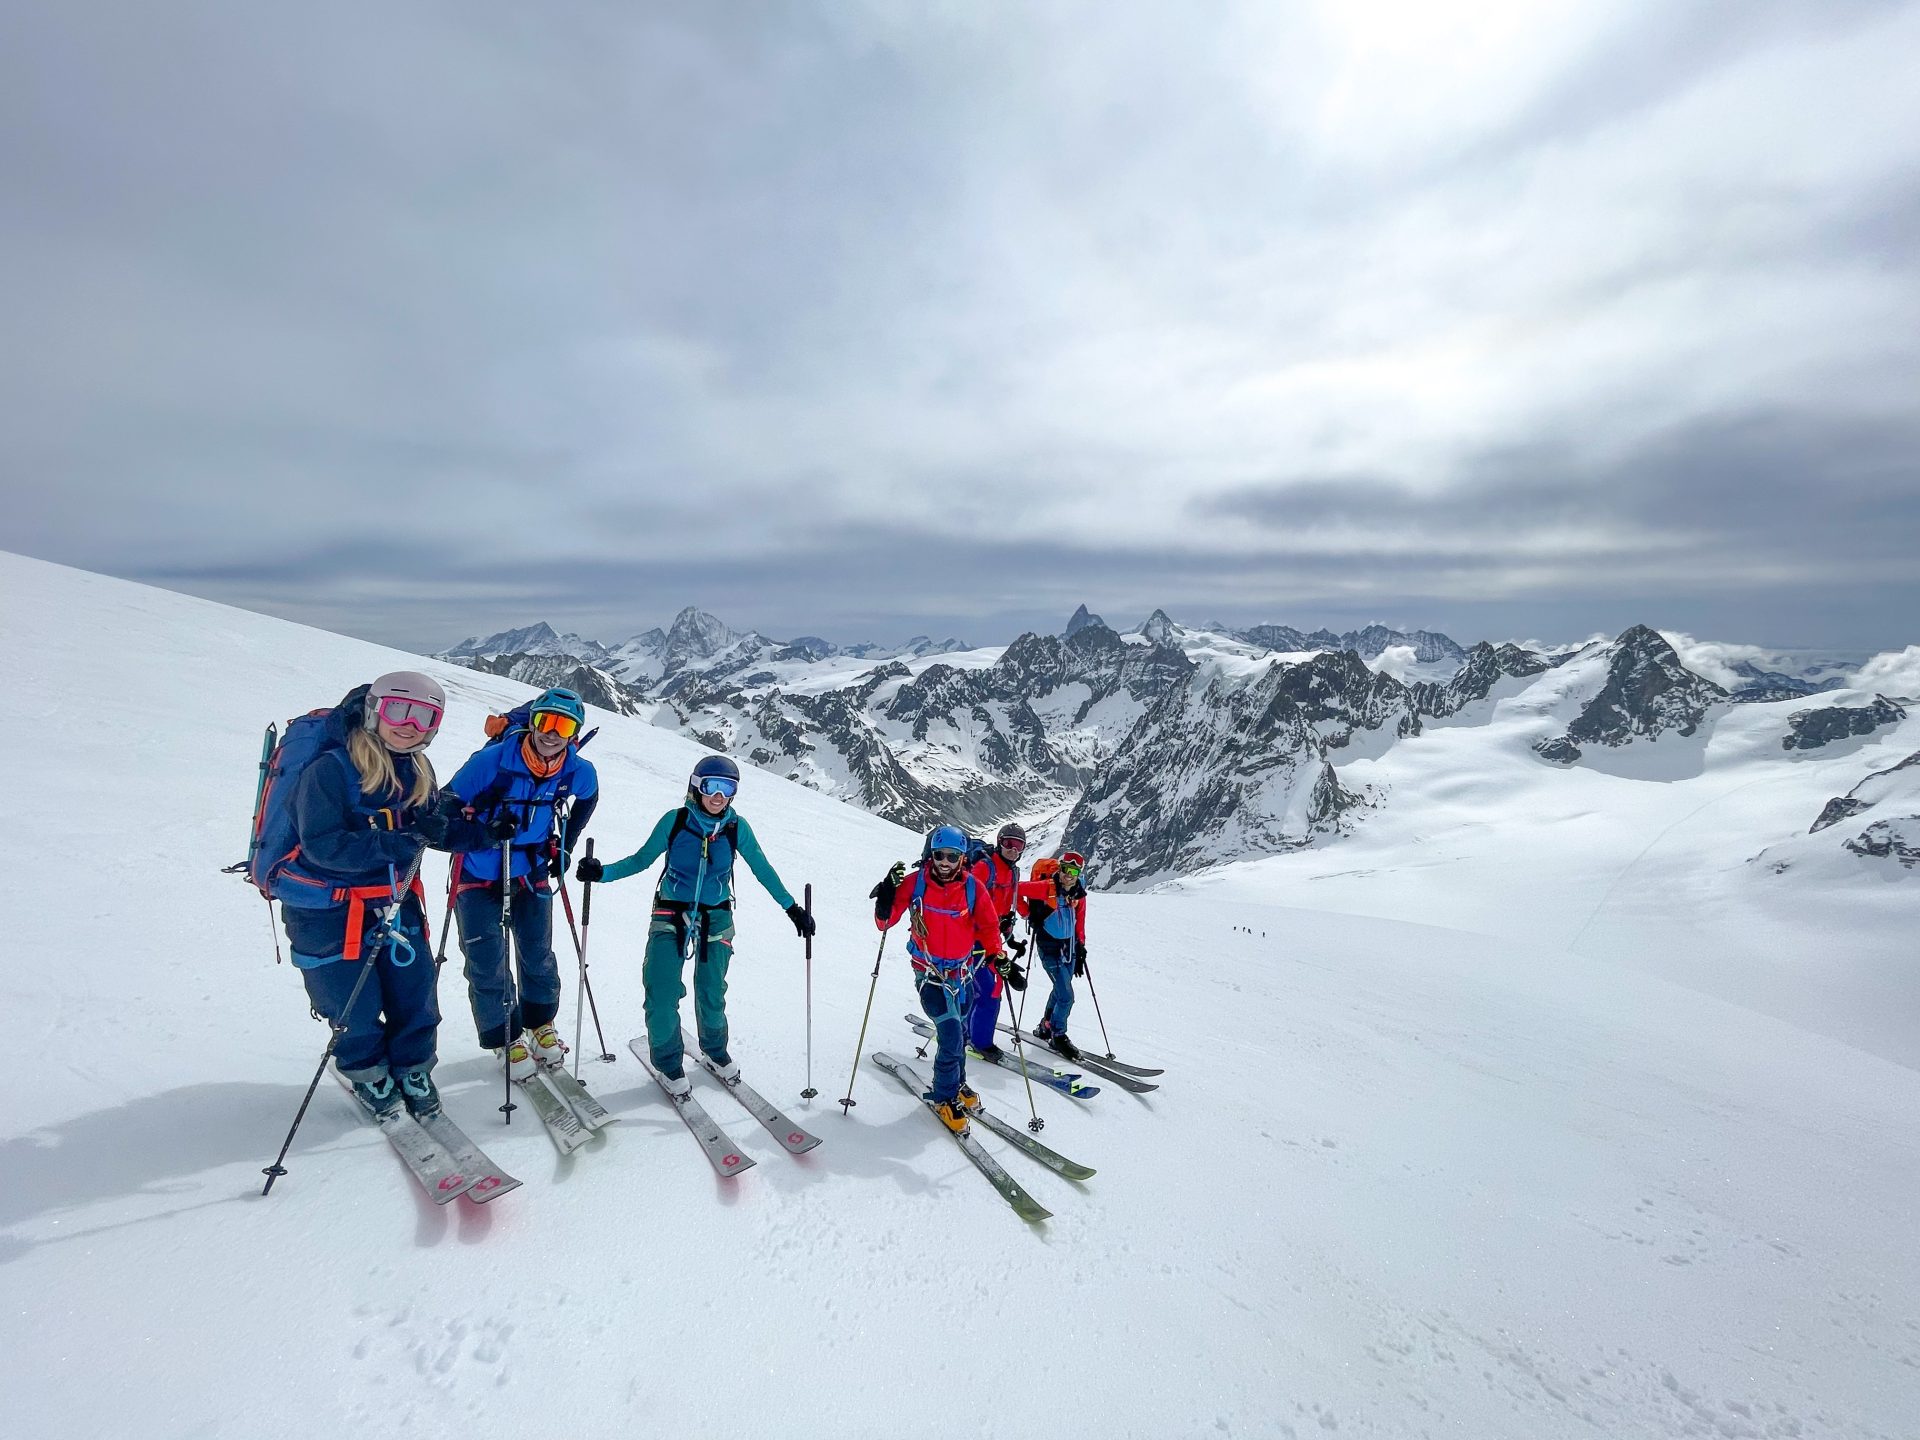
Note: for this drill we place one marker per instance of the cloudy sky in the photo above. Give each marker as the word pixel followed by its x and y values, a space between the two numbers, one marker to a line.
pixel 422 320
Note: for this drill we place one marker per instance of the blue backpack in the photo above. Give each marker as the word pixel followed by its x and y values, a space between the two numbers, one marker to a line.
pixel 276 843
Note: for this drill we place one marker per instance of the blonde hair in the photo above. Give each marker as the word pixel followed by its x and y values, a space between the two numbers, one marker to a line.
pixel 377 774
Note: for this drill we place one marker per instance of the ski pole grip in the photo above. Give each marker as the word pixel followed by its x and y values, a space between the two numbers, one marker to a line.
pixel 586 891
pixel 807 905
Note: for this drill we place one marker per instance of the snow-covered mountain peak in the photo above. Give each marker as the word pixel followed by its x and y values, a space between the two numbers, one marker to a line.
pixel 536 639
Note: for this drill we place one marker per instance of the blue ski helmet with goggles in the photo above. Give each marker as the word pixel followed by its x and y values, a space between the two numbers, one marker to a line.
pixel 714 775
pixel 948 845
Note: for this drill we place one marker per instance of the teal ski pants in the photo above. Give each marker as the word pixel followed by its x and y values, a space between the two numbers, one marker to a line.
pixel 708 935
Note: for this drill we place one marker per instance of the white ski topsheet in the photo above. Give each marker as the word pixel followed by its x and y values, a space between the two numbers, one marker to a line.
pixel 1399 1176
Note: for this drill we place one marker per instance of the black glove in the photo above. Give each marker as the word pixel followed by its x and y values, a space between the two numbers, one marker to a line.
pixel 883 894
pixel 1006 927
pixel 1080 962
pixel 432 826
pixel 557 866
pixel 1016 947
pixel 588 870
pixel 802 922
pixel 1015 977
pixel 501 828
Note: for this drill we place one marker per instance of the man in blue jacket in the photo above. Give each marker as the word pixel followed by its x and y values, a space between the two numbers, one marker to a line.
pixel 533 774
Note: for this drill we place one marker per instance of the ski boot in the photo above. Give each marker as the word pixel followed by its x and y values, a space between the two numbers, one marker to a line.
pixel 724 1068
pixel 548 1049
pixel 678 1086
pixel 990 1053
pixel 381 1096
pixel 968 1099
pixel 952 1114
pixel 1062 1046
pixel 418 1092
pixel 521 1065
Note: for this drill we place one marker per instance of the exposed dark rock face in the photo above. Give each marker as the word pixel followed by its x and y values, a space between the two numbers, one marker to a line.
pixel 1082 618
pixel 1484 667
pixel 1648 693
pixel 596 687
pixel 1890 840
pixel 1810 729
pixel 1893 783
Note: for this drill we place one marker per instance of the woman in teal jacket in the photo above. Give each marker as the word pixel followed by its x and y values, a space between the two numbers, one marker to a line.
pixel 693 911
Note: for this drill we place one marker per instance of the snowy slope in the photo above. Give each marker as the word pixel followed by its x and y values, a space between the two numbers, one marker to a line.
pixel 1401 1180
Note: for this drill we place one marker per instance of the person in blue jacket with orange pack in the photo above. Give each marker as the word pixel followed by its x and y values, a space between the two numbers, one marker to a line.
pixel 533 775
pixel 362 805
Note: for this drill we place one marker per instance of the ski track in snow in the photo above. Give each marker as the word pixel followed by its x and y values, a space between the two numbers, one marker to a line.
pixel 1401 1179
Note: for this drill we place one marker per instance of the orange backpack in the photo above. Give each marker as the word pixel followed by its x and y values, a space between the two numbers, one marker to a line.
pixel 1043 868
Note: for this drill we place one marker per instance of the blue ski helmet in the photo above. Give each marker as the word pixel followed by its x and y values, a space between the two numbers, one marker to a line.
pixel 559 701
pixel 948 837
pixel 718 769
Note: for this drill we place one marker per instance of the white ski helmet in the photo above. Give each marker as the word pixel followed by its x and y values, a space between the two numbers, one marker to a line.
pixel 403 685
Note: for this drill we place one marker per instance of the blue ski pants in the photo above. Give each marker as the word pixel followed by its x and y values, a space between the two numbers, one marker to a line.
pixel 984 1013
pixel 538 993
pixel 1056 956
pixel 394 1021
pixel 945 1004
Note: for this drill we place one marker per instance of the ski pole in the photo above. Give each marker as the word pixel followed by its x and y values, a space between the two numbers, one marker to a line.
pixel 446 924
pixel 388 928
pixel 1095 993
pixel 846 1105
pixel 580 947
pixel 509 992
pixel 807 904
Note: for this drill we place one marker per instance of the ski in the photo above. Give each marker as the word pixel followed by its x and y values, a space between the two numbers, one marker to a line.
pixel 1067 1082
pixel 429 1160
pixel 1093 1066
pixel 589 1111
pixel 1144 1072
pixel 1024 1205
pixel 719 1150
pixel 793 1139
pixel 490 1181
pixel 563 1126
pixel 1045 1154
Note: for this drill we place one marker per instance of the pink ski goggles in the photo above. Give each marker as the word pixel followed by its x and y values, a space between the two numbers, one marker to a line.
pixel 397 710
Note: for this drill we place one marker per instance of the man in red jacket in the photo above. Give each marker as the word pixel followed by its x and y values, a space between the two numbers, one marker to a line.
pixel 999 871
pixel 952 917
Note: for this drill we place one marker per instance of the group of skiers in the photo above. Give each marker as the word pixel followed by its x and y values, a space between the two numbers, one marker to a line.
pixel 341 851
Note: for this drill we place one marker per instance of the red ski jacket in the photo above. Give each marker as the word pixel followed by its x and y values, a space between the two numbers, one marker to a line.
pixel 949 922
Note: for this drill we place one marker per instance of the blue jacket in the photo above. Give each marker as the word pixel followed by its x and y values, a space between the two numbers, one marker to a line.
pixel 497 776
pixel 700 848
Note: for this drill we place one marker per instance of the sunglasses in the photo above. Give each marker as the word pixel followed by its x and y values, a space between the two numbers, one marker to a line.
pixel 717 785
pixel 552 722
pixel 945 857
pixel 396 710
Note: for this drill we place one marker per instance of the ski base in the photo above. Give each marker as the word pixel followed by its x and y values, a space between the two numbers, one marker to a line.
pixel 430 1161
pixel 1067 1082
pixel 793 1139
pixel 1088 1063
pixel 714 1144
pixel 1024 1205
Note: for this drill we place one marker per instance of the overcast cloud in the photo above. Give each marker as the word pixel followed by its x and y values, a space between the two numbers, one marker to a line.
pixel 425 320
